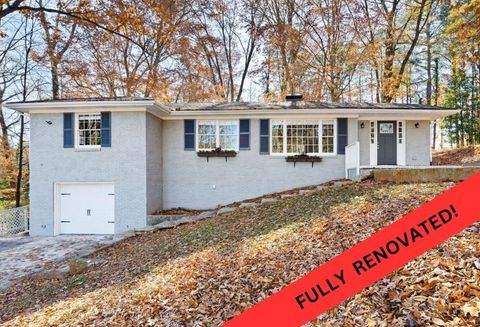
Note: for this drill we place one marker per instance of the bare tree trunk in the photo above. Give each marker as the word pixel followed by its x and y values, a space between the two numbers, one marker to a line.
pixel 429 64
pixel 55 80
pixel 18 185
pixel 4 128
pixel 436 103
pixel 244 73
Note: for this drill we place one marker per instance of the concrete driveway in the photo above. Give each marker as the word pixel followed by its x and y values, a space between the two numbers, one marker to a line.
pixel 24 255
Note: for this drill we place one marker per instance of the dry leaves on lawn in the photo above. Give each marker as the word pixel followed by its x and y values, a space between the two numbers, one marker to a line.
pixel 204 273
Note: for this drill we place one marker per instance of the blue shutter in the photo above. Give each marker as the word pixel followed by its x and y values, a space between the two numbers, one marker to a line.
pixel 106 129
pixel 264 136
pixel 68 130
pixel 189 132
pixel 342 135
pixel 244 134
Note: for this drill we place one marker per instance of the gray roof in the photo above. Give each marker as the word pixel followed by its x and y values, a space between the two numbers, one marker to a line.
pixel 89 99
pixel 220 106
pixel 204 106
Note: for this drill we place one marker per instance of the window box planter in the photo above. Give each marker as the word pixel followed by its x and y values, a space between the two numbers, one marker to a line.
pixel 217 153
pixel 303 158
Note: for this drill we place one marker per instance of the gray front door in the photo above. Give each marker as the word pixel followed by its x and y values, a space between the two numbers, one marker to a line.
pixel 387 143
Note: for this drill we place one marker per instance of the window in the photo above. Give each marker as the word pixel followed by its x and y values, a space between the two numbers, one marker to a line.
pixel 89 128
pixel 400 132
pixel 303 136
pixel 328 136
pixel 372 132
pixel 386 128
pixel 217 134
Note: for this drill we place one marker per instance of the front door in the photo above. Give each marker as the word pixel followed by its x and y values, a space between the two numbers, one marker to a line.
pixel 387 143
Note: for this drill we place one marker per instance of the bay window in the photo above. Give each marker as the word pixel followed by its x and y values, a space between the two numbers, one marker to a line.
pixel 290 137
pixel 214 134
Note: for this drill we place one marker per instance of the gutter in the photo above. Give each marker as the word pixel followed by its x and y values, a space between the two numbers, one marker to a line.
pixel 165 112
pixel 279 113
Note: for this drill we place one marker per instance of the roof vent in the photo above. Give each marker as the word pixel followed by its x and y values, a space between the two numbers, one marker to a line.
pixel 294 97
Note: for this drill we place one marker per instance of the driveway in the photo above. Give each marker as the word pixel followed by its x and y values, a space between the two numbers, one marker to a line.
pixel 24 255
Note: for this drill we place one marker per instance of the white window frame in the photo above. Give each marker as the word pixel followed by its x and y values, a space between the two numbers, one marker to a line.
pixel 319 122
pixel 217 133
pixel 401 142
pixel 76 136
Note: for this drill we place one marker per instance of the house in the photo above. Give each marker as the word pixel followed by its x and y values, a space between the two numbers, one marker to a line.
pixel 100 166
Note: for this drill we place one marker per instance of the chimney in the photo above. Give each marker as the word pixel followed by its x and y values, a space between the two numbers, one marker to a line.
pixel 294 97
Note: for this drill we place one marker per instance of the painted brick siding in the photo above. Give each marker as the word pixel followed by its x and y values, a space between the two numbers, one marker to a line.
pixel 154 163
pixel 352 130
pixel 364 139
pixel 192 182
pixel 123 163
pixel 418 143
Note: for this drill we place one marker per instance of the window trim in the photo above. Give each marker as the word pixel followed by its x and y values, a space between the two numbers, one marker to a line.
pixel 77 135
pixel 217 133
pixel 320 140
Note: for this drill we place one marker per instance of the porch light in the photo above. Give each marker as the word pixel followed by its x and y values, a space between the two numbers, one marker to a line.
pixel 417 125
pixel 362 125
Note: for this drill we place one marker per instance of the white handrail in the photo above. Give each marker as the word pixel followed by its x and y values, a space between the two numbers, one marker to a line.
pixel 352 158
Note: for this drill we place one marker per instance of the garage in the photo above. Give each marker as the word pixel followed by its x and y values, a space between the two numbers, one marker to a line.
pixel 85 208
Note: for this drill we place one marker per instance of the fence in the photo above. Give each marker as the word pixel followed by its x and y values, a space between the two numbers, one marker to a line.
pixel 13 221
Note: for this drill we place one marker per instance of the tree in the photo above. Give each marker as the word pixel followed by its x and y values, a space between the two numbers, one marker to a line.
pixel 9 72
pixel 58 35
pixel 287 34
pixel 464 87
pixel 331 46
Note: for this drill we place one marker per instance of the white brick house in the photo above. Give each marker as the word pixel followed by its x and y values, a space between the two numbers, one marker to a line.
pixel 102 165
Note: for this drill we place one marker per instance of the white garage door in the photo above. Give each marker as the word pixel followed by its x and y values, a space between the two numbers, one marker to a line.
pixel 87 208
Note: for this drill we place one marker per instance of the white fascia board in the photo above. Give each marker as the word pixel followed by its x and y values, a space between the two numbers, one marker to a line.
pixel 408 114
pixel 363 114
pixel 151 106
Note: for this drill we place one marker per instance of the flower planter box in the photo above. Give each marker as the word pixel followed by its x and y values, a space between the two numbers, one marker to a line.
pixel 303 158
pixel 217 153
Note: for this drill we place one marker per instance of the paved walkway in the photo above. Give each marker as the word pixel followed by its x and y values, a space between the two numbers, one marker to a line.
pixel 24 255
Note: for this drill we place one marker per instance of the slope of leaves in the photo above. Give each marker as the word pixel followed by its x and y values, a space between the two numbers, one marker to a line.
pixel 205 273
pixel 469 154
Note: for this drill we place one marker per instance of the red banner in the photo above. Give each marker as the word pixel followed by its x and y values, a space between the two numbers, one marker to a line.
pixel 369 261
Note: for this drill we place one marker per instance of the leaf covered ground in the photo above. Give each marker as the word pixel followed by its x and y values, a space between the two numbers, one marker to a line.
pixel 461 156
pixel 204 273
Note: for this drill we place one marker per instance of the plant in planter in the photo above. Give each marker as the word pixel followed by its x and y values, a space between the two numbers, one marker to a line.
pixel 217 152
pixel 303 157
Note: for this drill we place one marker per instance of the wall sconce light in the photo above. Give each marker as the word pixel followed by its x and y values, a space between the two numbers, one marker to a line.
pixel 417 125
pixel 48 122
pixel 362 125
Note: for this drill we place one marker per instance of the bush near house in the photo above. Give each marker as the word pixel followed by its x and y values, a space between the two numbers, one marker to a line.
pixel 204 273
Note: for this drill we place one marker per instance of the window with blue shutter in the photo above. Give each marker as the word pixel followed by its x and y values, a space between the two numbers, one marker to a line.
pixel 342 135
pixel 189 134
pixel 264 136
pixel 68 130
pixel 244 134
pixel 106 129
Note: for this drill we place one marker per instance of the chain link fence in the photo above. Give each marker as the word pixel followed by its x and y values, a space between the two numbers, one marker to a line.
pixel 13 221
